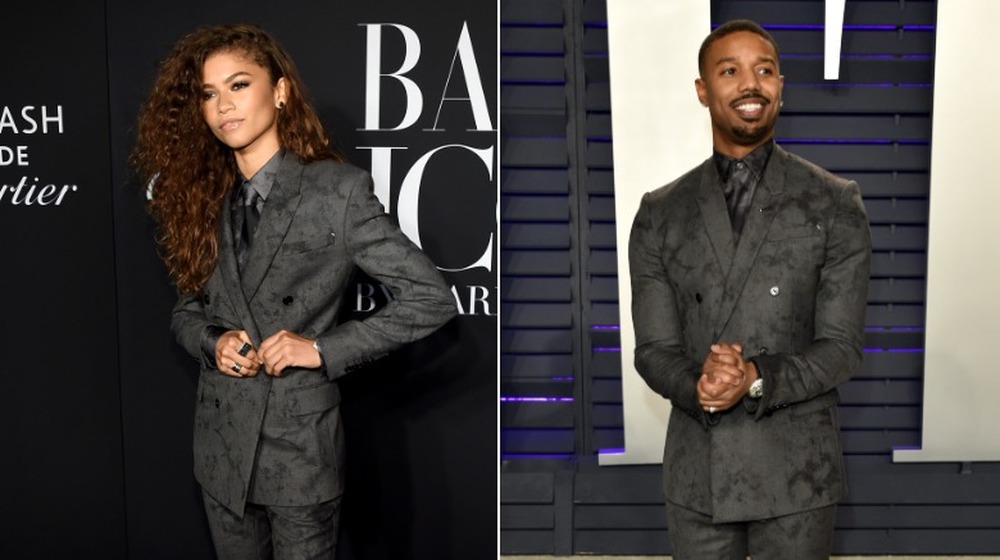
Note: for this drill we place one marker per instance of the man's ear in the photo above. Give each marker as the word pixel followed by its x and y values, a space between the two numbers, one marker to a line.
pixel 699 87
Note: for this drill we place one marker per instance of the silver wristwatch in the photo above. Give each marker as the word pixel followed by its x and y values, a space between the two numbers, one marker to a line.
pixel 756 389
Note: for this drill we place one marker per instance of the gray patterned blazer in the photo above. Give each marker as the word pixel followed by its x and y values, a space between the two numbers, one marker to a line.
pixel 793 290
pixel 321 222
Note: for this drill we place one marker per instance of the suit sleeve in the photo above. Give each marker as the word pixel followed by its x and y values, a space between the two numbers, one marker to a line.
pixel 841 302
pixel 191 328
pixel 421 302
pixel 660 356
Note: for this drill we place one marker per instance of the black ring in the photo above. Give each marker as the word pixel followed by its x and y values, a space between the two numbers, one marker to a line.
pixel 245 349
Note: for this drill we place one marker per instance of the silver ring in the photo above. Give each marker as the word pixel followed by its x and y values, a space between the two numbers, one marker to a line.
pixel 245 349
pixel 237 367
pixel 711 409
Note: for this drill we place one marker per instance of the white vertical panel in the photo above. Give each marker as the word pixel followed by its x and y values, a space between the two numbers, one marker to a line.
pixel 660 131
pixel 833 35
pixel 961 372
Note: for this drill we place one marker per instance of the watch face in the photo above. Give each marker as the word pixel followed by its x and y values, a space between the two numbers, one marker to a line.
pixel 756 389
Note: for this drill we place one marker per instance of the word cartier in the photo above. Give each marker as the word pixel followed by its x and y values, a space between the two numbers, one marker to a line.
pixel 28 193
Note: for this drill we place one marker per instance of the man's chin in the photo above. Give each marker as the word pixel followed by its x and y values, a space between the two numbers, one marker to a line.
pixel 747 135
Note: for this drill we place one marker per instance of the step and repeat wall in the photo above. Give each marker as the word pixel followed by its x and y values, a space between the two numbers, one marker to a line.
pixel 98 400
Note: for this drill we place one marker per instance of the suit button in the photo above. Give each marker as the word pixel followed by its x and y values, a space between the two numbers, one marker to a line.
pixel 697 297
pixel 205 299
pixel 762 351
pixel 288 300
pixel 217 403
pixel 774 291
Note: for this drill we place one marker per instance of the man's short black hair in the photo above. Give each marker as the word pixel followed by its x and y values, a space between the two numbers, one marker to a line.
pixel 727 28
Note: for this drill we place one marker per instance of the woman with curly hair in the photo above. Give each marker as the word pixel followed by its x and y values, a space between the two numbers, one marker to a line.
pixel 261 226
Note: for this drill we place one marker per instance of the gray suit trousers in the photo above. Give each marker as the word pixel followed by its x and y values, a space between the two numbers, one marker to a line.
pixel 799 536
pixel 274 532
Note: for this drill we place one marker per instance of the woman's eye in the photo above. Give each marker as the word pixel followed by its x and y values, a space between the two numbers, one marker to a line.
pixel 240 85
pixel 206 95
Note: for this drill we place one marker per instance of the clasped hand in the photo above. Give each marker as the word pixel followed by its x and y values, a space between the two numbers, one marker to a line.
pixel 281 350
pixel 725 377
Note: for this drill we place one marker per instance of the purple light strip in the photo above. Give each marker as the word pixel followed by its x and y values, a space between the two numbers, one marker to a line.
pixel 607 349
pixel 536 399
pixel 788 27
pixel 878 141
pixel 820 27
pixel 507 82
pixel 896 350
pixel 858 85
pixel 612 450
pixel 516 24
pixel 853 141
pixel 604 327
pixel 866 56
pixel 536 456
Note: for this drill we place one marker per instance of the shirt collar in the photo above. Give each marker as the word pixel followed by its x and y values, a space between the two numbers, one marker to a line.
pixel 263 179
pixel 755 160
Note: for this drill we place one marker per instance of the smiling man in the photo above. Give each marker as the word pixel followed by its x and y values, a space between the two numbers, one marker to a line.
pixel 749 288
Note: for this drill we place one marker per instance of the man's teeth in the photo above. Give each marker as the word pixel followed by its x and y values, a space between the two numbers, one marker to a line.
pixel 747 107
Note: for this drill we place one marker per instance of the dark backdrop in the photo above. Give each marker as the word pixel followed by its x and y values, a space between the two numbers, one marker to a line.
pixel 98 400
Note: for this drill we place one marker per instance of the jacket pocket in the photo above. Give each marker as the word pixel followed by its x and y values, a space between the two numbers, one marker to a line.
pixel 315 244
pixel 795 232
pixel 311 399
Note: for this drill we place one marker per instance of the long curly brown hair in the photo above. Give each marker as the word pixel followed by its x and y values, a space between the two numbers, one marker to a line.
pixel 188 170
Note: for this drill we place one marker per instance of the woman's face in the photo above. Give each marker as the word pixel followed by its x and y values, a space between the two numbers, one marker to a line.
pixel 240 105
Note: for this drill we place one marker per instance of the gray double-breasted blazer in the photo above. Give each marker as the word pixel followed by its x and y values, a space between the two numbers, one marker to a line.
pixel 793 290
pixel 279 440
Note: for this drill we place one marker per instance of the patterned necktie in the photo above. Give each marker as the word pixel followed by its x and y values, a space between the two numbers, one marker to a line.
pixel 249 199
pixel 738 192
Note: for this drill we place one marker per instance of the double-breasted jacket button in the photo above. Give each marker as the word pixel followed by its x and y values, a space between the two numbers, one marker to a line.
pixel 697 297
pixel 205 299
pixel 288 300
pixel 762 351
pixel 774 291
pixel 217 403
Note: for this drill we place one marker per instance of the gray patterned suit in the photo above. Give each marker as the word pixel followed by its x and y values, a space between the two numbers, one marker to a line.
pixel 793 290
pixel 279 441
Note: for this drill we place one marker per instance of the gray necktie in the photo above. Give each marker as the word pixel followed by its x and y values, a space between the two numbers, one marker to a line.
pixel 249 199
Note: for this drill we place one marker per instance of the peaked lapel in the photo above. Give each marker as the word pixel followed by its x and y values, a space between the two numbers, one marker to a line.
pixel 712 204
pixel 275 219
pixel 763 209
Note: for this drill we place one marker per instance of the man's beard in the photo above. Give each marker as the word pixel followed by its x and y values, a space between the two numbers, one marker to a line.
pixel 749 135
